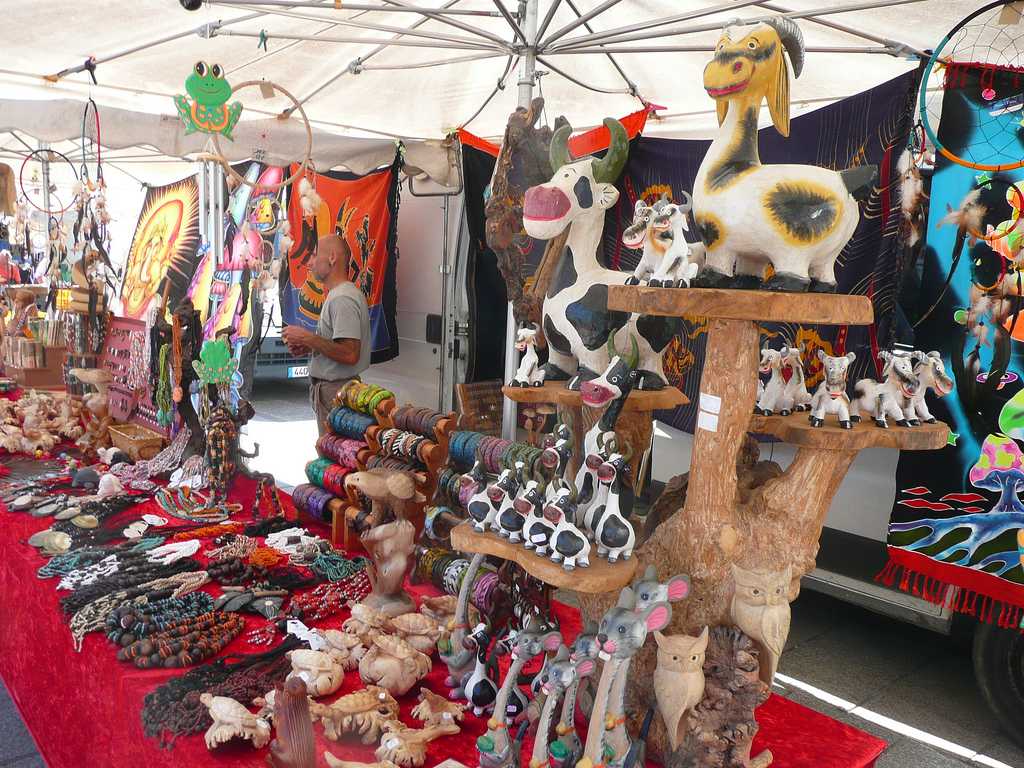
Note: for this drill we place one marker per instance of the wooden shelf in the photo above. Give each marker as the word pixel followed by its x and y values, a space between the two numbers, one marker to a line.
pixel 555 392
pixel 796 429
pixel 600 577
pixel 759 306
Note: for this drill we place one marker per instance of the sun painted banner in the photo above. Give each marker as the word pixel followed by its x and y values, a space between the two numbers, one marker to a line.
pixel 958 519
pixel 162 257
pixel 363 210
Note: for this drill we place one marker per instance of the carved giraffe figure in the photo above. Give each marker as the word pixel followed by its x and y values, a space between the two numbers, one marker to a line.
pixel 796 217
pixel 622 633
pixel 576 320
pixel 525 645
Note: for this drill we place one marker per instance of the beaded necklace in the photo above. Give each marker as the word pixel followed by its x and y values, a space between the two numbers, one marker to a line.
pixel 153 612
pixel 163 391
pixel 333 567
pixel 176 331
pixel 184 642
pixel 240 546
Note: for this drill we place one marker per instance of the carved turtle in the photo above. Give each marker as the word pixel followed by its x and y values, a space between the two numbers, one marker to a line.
pixel 418 630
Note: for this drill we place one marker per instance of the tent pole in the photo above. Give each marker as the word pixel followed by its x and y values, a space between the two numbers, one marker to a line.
pixel 587 39
pixel 579 22
pixel 856 32
pixel 603 50
pixel 439 16
pixel 353 65
pixel 376 41
pixel 527 74
pixel 348 6
pixel 616 36
pixel 402 31
pixel 45 162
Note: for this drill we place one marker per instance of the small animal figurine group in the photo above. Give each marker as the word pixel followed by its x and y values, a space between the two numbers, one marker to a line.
pixel 530 373
pixel 907 375
pixel 658 230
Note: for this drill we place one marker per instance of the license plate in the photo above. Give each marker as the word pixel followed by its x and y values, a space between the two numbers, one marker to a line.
pixel 298 371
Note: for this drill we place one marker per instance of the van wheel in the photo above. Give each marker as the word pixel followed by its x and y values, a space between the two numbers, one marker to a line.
pixel 999 670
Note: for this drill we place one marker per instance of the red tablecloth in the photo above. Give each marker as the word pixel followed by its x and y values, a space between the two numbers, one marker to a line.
pixel 83 709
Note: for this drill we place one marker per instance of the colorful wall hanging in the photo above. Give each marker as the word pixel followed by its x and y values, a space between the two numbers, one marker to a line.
pixel 208 111
pixel 163 250
pixel 958 519
pixel 364 210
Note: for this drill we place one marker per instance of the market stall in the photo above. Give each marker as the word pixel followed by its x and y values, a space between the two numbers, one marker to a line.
pixel 434 592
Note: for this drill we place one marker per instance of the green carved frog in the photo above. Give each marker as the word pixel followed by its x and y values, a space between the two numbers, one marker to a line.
pixel 208 111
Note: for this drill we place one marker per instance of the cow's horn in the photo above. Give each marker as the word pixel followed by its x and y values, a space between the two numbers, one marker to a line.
pixel 612 351
pixel 558 152
pixel 634 354
pixel 608 168
pixel 792 38
pixel 627 452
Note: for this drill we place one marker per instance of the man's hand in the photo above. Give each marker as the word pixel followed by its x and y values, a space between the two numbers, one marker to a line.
pixel 297 339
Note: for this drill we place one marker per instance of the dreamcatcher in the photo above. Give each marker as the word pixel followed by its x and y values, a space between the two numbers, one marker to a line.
pixel 975 74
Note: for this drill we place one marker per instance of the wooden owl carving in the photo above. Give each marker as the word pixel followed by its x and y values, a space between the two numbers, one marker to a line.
pixel 679 680
pixel 760 607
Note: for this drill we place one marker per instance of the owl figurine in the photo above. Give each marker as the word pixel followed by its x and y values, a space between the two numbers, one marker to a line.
pixel 760 607
pixel 679 680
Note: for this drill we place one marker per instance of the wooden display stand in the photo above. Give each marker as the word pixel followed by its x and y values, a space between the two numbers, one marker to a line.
pixel 50 376
pixel 634 426
pixel 739 511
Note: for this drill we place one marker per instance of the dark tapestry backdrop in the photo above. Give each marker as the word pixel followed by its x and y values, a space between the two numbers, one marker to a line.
pixel 871 127
pixel 485 286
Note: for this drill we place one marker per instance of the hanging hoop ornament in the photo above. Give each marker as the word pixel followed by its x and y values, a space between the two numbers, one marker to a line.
pixel 969 49
pixel 21 181
pixel 1014 219
pixel 269 89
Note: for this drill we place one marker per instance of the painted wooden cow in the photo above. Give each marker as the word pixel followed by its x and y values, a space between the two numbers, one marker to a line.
pixel 555 458
pixel 638 236
pixel 576 320
pixel 831 396
pixel 676 268
pixel 569 545
pixel 613 533
pixel 796 217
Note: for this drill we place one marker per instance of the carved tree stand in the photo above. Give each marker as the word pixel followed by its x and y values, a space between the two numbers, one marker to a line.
pixel 754 516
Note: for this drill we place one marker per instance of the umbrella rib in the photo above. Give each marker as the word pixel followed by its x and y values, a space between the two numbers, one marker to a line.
pixel 512 61
pixel 571 79
pixel 581 20
pixel 805 14
pixel 547 19
pixel 454 23
pixel 511 21
pixel 358 40
pixel 360 60
pixel 632 86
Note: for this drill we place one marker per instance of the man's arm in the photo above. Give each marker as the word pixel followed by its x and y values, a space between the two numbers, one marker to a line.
pixel 344 351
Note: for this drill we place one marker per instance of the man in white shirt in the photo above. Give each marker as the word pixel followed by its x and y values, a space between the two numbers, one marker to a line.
pixel 339 350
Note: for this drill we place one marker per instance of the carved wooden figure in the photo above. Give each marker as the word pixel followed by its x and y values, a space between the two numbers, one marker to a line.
pixel 418 631
pixel 389 544
pixel 831 396
pixel 891 397
pixel 796 217
pixel 651 240
pixel 613 533
pixel 760 607
pixel 509 521
pixel 774 397
pixel 478 687
pixel 555 459
pixel 676 269
pixel 295 745
pixel 361 714
pixel 796 387
pixel 529 373
pixel 577 323
pixel 322 673
pixel 568 748
pixel 231 720
pixel 393 664
pixel 537 529
pixel 435 710
pixel 931 374
pixel 495 746
pixel 406 746
pixel 569 545
pixel 679 680
pixel 452 648
pixel 555 681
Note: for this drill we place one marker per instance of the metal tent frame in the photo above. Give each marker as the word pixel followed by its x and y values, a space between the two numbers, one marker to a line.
pixel 527 43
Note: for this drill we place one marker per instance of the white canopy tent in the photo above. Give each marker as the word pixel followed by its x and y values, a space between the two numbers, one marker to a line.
pixel 416 69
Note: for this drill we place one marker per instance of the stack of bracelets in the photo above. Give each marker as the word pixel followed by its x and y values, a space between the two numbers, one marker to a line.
pixel 497 454
pixel 342 450
pixel 449 489
pixel 325 474
pixel 405 446
pixel 389 462
pixel 313 500
pixel 446 570
pixel 422 421
pixel 365 398
pixel 348 423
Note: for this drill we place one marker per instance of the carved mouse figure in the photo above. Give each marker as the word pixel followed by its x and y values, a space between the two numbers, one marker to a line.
pixel 556 680
pixel 569 747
